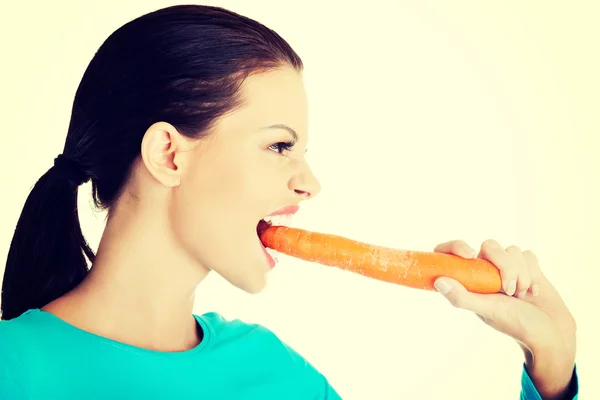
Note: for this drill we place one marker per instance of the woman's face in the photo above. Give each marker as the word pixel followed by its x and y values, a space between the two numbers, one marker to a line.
pixel 241 173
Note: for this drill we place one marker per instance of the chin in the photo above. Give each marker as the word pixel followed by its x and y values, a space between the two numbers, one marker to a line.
pixel 256 289
pixel 247 284
pixel 245 268
pixel 251 279
pixel 255 284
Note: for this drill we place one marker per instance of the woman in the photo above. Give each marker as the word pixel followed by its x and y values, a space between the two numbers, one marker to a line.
pixel 191 123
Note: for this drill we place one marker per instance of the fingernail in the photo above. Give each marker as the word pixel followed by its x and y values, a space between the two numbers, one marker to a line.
pixel 442 286
pixel 535 290
pixel 522 294
pixel 512 287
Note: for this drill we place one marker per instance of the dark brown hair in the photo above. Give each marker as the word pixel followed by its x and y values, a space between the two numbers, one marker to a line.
pixel 182 65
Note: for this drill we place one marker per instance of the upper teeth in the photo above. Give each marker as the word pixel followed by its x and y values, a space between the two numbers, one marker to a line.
pixel 285 219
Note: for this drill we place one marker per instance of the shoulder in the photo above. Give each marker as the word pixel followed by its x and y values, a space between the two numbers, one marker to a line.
pixel 267 347
pixel 239 335
pixel 237 332
pixel 16 330
pixel 26 339
pixel 16 337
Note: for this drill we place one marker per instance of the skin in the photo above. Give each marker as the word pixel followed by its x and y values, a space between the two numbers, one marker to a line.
pixel 192 201
pixel 532 313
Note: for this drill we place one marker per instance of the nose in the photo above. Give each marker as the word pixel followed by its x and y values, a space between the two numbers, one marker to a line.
pixel 305 184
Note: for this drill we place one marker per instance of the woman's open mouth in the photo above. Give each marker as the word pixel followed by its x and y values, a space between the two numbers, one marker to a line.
pixel 263 224
pixel 274 220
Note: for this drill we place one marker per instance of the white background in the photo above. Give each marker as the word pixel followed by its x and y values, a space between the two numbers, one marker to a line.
pixel 429 121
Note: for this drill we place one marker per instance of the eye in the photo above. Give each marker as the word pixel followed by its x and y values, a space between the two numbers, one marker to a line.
pixel 281 146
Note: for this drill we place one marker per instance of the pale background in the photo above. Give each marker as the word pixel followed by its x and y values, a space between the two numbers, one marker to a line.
pixel 430 121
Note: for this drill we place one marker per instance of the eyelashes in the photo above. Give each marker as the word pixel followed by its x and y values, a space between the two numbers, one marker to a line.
pixel 281 146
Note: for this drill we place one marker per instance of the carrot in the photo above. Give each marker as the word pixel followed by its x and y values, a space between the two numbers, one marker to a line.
pixel 414 269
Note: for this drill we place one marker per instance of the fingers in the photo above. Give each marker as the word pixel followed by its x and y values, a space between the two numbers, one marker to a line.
pixel 456 293
pixel 522 270
pixel 484 305
pixel 535 271
pixel 519 270
pixel 509 271
pixel 501 312
pixel 456 247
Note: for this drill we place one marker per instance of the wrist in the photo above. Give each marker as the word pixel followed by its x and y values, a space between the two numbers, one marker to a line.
pixel 551 370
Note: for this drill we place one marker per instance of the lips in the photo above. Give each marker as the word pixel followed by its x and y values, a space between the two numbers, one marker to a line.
pixel 287 210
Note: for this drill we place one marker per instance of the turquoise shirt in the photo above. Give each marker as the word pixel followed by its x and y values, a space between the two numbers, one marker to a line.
pixel 44 357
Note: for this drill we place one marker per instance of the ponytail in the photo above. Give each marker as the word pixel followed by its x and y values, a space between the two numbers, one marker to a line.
pixel 183 65
pixel 46 256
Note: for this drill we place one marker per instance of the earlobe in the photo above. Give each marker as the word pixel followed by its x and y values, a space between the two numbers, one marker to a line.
pixel 159 146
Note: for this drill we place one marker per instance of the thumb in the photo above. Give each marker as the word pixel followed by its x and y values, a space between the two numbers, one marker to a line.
pixel 460 297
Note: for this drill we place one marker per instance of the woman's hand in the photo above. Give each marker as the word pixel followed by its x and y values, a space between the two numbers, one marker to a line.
pixel 529 309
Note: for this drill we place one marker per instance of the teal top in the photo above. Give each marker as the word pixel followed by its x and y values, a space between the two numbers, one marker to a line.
pixel 44 357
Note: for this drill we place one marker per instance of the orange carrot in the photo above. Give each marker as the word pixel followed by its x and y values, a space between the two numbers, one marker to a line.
pixel 414 269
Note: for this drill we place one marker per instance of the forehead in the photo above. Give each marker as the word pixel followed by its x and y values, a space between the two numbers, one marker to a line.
pixel 270 98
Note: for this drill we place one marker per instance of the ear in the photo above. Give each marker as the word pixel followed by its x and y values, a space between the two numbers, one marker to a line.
pixel 160 144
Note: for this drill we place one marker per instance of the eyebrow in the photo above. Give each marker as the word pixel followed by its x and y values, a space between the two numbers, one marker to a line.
pixel 285 127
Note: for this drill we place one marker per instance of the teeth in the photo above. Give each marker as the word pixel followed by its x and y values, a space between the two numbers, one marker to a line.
pixel 285 220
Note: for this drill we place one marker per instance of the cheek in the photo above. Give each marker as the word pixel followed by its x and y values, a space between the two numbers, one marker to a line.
pixel 242 183
pixel 216 205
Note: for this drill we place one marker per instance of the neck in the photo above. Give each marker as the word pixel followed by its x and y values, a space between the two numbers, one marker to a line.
pixel 141 287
